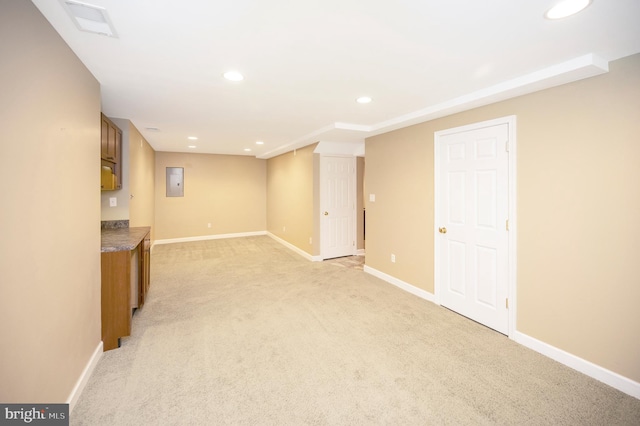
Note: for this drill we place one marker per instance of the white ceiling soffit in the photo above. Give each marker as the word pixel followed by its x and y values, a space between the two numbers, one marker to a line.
pixel 576 69
pixel 306 63
pixel 566 72
pixel 355 149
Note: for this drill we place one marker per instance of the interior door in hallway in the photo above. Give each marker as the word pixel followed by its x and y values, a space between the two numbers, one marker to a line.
pixel 472 243
pixel 338 206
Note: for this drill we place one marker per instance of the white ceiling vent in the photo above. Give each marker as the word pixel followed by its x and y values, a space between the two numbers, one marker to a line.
pixel 90 18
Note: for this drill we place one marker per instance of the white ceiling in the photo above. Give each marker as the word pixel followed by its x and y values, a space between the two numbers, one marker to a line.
pixel 306 61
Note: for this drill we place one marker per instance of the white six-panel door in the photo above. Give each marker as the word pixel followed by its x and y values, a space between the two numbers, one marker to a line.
pixel 338 206
pixel 472 242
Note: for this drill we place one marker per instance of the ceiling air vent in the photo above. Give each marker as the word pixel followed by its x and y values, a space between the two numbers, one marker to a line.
pixel 90 18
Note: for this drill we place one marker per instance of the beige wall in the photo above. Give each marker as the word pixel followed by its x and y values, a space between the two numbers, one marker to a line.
pixel 399 172
pixel 227 191
pixel 578 204
pixel 290 198
pixel 293 199
pixel 50 210
pixel 141 173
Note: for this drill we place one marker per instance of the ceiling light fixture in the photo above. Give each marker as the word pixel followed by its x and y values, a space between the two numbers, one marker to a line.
pixel 152 129
pixel 192 146
pixel 363 100
pixel 566 8
pixel 259 143
pixel 233 76
pixel 90 18
pixel 192 138
pixel 247 149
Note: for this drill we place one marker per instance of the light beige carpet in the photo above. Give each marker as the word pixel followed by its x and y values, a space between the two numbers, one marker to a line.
pixel 245 332
pixel 355 262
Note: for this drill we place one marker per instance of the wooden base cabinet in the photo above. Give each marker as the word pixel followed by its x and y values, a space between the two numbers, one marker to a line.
pixel 117 290
pixel 116 297
pixel 144 269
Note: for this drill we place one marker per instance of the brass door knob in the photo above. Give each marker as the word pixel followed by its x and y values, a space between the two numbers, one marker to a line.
pixel 326 213
pixel 442 230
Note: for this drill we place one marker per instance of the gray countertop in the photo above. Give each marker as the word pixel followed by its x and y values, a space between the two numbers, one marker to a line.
pixel 121 239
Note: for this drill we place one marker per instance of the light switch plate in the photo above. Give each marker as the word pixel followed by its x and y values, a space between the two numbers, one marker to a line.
pixel 113 201
pixel 372 197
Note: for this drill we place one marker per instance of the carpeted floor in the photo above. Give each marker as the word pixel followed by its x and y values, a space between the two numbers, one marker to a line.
pixel 245 332
pixel 354 262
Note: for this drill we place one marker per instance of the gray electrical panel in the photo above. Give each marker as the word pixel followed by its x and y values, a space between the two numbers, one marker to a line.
pixel 175 182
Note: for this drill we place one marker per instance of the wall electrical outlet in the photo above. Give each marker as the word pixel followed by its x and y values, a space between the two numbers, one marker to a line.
pixel 113 201
pixel 393 258
pixel 209 225
pixel 284 229
pixel 310 240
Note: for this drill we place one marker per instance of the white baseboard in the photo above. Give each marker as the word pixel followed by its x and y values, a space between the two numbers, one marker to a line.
pixel 423 294
pixel 209 237
pixel 590 369
pixel 360 252
pixel 84 377
pixel 296 249
pixel 597 372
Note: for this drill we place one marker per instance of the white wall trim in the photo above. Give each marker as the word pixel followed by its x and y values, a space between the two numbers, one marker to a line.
pixel 84 377
pixel 295 249
pixel 355 149
pixel 423 294
pixel 595 371
pixel 209 237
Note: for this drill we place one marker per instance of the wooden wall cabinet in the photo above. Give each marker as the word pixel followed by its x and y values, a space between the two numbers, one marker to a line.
pixel 110 154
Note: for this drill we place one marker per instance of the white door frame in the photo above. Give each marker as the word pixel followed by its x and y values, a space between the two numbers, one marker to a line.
pixel 353 192
pixel 511 286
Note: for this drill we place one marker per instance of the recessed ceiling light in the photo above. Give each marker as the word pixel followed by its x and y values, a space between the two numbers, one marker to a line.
pixel 233 76
pixel 259 143
pixel 363 100
pixel 566 8
pixel 247 149
pixel 192 138
pixel 152 129
pixel 192 146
